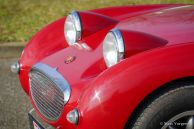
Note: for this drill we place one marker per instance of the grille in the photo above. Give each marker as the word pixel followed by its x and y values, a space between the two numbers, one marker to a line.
pixel 49 91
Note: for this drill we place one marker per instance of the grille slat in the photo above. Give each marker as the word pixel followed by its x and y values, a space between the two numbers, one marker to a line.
pixel 60 100
pixel 53 106
pixel 47 102
pixel 39 87
pixel 50 107
pixel 46 111
pixel 45 108
pixel 48 95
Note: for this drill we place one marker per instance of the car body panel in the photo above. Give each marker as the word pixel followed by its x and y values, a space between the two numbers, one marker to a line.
pixel 115 94
pixel 46 42
pixel 123 12
pixel 98 22
pixel 175 24
pixel 156 53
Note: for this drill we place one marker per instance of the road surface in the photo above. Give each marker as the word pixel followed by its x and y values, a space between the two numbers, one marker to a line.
pixel 14 103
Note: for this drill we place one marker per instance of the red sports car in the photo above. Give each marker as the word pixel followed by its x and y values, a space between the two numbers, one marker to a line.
pixel 113 68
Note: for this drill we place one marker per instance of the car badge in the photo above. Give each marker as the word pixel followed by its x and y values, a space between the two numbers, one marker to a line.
pixel 69 59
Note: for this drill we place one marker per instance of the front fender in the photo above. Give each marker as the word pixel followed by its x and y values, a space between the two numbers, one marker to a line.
pixel 46 42
pixel 112 97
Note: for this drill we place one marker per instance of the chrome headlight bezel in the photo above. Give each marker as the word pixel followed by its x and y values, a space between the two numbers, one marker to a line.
pixel 73 24
pixel 114 42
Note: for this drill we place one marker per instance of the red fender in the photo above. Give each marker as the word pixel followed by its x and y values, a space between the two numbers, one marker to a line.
pixel 46 42
pixel 51 38
pixel 112 97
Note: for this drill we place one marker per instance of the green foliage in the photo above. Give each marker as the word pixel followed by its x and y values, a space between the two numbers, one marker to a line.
pixel 20 19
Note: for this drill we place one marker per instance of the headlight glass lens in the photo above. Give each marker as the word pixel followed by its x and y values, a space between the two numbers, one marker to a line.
pixel 113 48
pixel 72 28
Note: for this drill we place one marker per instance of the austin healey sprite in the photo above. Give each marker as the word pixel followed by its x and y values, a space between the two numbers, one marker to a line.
pixel 129 67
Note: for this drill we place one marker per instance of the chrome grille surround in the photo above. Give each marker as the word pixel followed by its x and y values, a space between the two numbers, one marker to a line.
pixel 49 90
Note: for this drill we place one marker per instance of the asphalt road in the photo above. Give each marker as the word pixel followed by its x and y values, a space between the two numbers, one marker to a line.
pixel 14 103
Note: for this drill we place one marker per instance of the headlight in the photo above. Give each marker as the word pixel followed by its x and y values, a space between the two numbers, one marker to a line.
pixel 113 47
pixel 72 28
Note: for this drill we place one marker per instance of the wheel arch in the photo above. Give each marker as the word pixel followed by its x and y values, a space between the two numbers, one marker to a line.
pixel 157 92
pixel 143 74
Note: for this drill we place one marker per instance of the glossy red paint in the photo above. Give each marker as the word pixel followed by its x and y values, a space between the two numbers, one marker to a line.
pixel 159 48
pixel 123 12
pixel 51 38
pixel 112 97
pixel 134 39
pixel 98 22
pixel 174 24
pixel 46 42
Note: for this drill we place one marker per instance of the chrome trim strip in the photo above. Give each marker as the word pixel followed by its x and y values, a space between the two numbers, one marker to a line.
pixel 120 43
pixel 77 21
pixel 32 111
